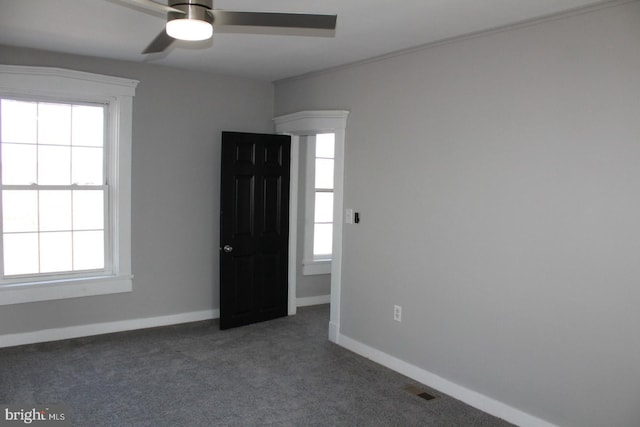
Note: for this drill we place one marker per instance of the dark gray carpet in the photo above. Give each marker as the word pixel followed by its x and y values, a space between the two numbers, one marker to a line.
pixel 279 373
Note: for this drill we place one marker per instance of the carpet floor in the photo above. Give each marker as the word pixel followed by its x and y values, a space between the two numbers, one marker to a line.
pixel 278 373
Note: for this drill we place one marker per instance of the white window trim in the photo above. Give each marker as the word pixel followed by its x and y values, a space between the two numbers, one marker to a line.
pixel 118 94
pixel 311 265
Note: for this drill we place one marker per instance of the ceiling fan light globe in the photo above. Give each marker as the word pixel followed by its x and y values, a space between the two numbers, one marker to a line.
pixel 189 29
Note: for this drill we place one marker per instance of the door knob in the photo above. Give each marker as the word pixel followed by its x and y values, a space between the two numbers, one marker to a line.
pixel 227 248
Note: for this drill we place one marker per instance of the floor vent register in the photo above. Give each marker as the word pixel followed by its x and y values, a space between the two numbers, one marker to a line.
pixel 419 392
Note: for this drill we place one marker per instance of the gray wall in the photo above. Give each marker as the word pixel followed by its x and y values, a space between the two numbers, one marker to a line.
pixel 178 117
pixel 314 285
pixel 498 180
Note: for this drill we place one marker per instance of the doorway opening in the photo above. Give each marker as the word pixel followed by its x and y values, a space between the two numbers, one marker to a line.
pixel 301 125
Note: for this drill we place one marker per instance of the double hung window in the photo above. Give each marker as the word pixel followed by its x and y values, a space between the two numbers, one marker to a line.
pixel 65 183
pixel 53 188
pixel 319 203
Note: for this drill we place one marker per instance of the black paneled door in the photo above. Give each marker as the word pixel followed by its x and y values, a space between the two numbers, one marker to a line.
pixel 254 228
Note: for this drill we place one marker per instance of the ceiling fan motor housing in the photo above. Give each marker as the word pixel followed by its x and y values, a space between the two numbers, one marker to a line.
pixel 192 20
pixel 193 9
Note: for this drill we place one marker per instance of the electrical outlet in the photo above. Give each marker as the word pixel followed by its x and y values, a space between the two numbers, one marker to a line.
pixel 397 313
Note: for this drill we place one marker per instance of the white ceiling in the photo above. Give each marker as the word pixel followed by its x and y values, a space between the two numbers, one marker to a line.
pixel 365 29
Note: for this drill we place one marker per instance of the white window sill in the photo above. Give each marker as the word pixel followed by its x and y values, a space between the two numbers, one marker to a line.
pixel 311 268
pixel 46 291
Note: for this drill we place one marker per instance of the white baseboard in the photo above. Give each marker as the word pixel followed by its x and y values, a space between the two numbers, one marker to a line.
pixel 321 299
pixel 470 397
pixel 56 334
pixel 434 381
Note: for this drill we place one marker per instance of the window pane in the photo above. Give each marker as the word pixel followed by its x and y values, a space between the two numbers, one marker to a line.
pixel 19 164
pixel 55 210
pixel 324 173
pixel 325 145
pixel 86 166
pixel 54 165
pixel 54 124
pixel 88 250
pixel 324 207
pixel 55 252
pixel 19 210
pixel 88 125
pixel 52 144
pixel 322 239
pixel 20 254
pixel 88 210
pixel 19 121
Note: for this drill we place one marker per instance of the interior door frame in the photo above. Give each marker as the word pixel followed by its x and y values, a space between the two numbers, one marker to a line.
pixel 311 122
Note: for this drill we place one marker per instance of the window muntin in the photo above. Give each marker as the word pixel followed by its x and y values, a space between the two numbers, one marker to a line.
pixel 54 191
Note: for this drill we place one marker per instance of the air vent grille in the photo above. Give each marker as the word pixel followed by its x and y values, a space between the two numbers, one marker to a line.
pixel 419 392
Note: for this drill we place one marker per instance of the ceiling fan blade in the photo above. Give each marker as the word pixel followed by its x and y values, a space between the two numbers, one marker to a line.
pixel 273 19
pixel 160 43
pixel 151 5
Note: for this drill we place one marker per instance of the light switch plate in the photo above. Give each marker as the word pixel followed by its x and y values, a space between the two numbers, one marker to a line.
pixel 348 216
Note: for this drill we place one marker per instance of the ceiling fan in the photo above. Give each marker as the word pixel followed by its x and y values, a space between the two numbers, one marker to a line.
pixel 194 20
